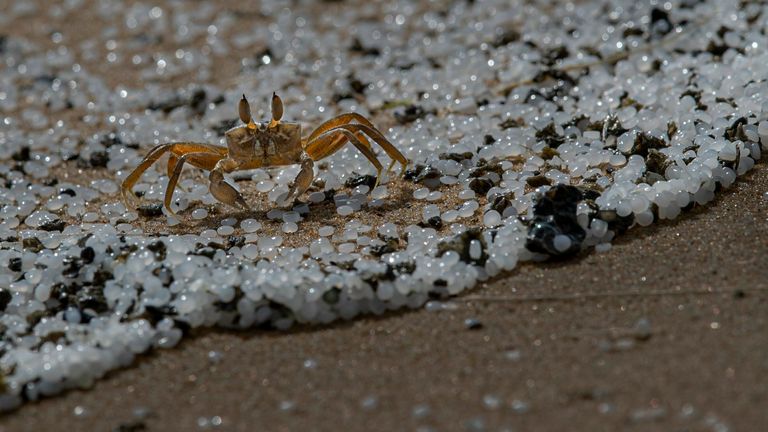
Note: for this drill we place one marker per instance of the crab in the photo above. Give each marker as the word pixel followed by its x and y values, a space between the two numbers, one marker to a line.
pixel 265 144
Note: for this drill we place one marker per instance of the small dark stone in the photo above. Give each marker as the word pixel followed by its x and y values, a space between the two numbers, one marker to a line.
pixel 660 23
pixel 428 173
pixel 356 85
pixel 338 97
pixel 87 255
pixel 67 191
pixel 645 142
pixel 656 162
pixel 14 264
pixel 500 203
pixel 412 173
pixel 331 296
pixel 460 244
pixel 235 241
pixel 616 223
pixel 159 248
pixel 554 213
pixel 390 245
pixel 473 324
pixel 72 266
pixel 35 317
pixel 196 101
pixel 538 181
pixel 155 314
pixel 206 251
pixel 32 244
pixel 633 31
pixel 150 210
pixel 738 294
pixel 22 155
pixel 550 136
pixel 410 114
pixel 5 298
pixel 736 130
pixel 435 222
pixel 357 47
pixel 458 157
pixel 481 186
pixel 548 153
pixel 54 225
pixel 110 139
pixel 511 123
pixel 553 55
pixel 132 426
pixel 99 159
pixel 367 180
pixel 92 298
pixel 506 37
pixel 488 139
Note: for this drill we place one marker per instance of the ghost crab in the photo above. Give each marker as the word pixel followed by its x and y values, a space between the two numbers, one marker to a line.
pixel 268 144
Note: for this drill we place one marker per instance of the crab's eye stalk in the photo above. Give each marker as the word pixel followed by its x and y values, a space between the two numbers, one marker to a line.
pixel 245 110
pixel 277 108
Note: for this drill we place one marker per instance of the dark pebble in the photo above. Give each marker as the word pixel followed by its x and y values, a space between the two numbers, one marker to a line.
pixel 5 298
pixel 500 203
pixel 412 173
pixel 410 114
pixel 206 251
pixel 54 225
pixel 72 266
pixel 150 210
pixel 33 244
pixel 158 247
pixel 458 157
pixel 367 180
pixel 87 255
pixel 67 191
pixel 14 264
pixel 435 222
pixel 481 186
pixel 428 173
pixel 235 241
pixel 538 181
pixel 554 213
pixel 99 159
pixel 22 155
pixel 473 324
pixel 110 139
pixel 388 247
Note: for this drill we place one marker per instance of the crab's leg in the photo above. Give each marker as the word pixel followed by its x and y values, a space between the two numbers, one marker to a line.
pixel 223 191
pixel 318 147
pixel 203 160
pixel 333 145
pixel 302 181
pixel 379 139
pixel 204 148
pixel 337 121
pixel 176 149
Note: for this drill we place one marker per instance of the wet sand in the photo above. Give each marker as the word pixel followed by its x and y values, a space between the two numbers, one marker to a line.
pixel 558 349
